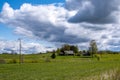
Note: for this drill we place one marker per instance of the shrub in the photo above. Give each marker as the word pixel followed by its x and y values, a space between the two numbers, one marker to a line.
pixel 47 59
pixel 53 56
pixel 34 61
pixel 98 57
pixel 2 61
pixel 78 54
pixel 12 61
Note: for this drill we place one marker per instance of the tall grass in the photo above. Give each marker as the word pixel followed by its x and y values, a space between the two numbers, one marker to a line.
pixel 108 75
pixel 62 68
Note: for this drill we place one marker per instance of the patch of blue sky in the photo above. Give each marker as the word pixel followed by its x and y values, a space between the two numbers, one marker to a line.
pixel 6 32
pixel 15 4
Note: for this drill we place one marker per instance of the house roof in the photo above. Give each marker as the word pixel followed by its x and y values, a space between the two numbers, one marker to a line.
pixel 69 52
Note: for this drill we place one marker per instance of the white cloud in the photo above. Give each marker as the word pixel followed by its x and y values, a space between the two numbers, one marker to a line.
pixel 47 22
pixel 27 47
pixel 7 11
pixel 52 23
pixel 24 32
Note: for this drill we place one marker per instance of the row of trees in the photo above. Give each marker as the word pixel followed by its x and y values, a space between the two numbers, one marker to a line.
pixel 92 48
pixel 67 47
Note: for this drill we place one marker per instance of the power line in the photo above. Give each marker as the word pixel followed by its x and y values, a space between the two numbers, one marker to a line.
pixel 20 54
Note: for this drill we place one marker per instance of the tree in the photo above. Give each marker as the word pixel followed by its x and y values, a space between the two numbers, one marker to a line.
pixel 74 49
pixel 66 47
pixel 53 56
pixel 93 47
pixel 58 51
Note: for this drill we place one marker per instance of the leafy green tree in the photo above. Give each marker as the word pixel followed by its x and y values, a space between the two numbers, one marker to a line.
pixel 66 47
pixel 58 51
pixel 74 49
pixel 93 47
pixel 53 56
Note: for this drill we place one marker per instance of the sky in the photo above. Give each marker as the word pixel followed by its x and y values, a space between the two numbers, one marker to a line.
pixel 45 25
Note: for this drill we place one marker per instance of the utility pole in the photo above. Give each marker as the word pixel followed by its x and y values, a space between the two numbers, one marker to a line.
pixel 20 54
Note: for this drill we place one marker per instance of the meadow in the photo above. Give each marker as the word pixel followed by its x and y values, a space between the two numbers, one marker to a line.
pixel 42 67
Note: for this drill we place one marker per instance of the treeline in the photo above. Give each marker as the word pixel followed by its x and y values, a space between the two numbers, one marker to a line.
pixel 108 52
pixel 67 47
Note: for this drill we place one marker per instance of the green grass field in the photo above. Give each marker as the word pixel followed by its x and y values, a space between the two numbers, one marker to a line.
pixel 60 68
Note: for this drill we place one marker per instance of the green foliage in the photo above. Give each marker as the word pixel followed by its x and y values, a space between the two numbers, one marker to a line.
pixel 12 61
pixel 111 52
pixel 58 51
pixel 67 47
pixel 74 49
pixel 97 57
pixel 34 61
pixel 47 59
pixel 53 56
pixel 108 52
pixel 78 54
pixel 2 61
pixel 93 47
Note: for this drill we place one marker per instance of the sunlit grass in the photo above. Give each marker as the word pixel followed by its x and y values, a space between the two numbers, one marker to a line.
pixel 61 68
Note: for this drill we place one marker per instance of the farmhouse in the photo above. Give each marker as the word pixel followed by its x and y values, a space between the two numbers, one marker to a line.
pixel 85 53
pixel 67 53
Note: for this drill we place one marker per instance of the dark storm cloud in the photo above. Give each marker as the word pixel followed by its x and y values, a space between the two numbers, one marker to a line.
pixel 49 32
pixel 112 42
pixel 73 4
pixel 93 27
pixel 94 11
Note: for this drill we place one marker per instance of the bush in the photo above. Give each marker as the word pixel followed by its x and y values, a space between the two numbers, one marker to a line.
pixel 53 56
pixel 2 61
pixel 98 57
pixel 78 54
pixel 47 59
pixel 34 61
pixel 12 61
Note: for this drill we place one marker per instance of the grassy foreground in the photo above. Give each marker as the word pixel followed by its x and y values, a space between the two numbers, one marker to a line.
pixel 61 68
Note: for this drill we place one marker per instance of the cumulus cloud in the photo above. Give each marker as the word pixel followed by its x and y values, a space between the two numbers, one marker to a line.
pixel 94 11
pixel 47 22
pixel 27 47
pixel 77 23
pixel 73 4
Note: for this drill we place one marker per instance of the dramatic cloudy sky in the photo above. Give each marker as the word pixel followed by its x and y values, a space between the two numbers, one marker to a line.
pixel 45 25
